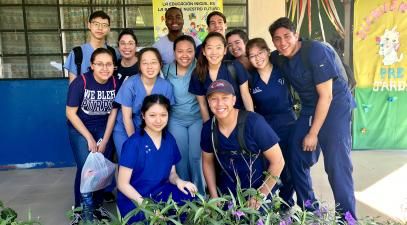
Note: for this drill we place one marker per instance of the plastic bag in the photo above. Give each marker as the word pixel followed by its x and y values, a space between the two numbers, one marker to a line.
pixel 97 173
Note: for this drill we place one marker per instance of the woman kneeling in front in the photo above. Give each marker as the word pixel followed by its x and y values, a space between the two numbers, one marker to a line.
pixel 147 164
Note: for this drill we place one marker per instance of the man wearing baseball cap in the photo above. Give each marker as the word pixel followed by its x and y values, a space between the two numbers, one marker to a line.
pixel 236 159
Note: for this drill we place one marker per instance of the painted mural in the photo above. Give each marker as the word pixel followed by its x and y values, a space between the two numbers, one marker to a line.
pixel 379 51
pixel 194 12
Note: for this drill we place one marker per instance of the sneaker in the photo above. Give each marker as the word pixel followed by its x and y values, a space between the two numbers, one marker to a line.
pixel 76 218
pixel 108 197
pixel 102 214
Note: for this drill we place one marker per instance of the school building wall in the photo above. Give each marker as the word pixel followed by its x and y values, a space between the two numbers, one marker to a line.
pixel 33 130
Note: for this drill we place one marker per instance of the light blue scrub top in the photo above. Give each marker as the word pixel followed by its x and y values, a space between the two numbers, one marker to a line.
pixel 132 94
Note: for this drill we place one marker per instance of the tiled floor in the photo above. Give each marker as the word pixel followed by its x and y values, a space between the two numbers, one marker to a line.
pixel 380 184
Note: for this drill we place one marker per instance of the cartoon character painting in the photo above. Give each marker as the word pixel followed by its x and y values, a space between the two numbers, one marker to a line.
pixel 389 45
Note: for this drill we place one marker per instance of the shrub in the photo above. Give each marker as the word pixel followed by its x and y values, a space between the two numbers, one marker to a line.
pixel 9 217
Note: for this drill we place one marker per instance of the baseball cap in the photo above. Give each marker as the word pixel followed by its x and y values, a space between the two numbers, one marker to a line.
pixel 220 86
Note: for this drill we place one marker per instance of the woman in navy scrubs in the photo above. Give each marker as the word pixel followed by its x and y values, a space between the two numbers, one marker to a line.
pixel 237 40
pixel 210 67
pixel 147 165
pixel 273 101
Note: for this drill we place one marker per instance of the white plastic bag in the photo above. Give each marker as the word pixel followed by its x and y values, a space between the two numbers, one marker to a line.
pixel 97 173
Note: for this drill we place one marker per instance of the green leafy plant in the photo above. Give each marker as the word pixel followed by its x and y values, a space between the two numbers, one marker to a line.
pixel 8 216
pixel 233 210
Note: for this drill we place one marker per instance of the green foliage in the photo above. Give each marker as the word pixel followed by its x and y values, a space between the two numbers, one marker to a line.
pixel 9 217
pixel 233 210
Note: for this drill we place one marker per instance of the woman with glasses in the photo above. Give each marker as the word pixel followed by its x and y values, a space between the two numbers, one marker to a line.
pixel 127 65
pixel 133 91
pixel 273 101
pixel 91 117
pixel 185 122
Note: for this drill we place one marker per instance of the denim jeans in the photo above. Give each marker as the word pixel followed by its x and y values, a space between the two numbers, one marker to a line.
pixel 80 150
pixel 188 137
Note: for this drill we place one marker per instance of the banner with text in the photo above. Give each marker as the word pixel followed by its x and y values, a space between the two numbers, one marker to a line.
pixel 379 59
pixel 194 12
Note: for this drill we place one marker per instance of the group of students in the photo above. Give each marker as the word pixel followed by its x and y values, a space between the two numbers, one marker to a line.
pixel 177 115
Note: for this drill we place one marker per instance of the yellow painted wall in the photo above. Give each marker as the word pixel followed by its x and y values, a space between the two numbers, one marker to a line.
pixel 261 14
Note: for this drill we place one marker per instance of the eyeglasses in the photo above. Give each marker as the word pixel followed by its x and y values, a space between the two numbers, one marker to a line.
pixel 261 54
pixel 102 65
pixel 154 63
pixel 130 43
pixel 100 25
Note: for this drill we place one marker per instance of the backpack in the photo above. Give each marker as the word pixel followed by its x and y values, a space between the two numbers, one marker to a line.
pixel 241 124
pixel 79 57
pixel 232 72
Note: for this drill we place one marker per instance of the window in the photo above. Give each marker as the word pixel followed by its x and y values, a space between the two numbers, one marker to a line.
pixel 37 35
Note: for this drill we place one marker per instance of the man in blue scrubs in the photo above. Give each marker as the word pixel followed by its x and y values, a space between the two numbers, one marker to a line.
pixel 99 28
pixel 232 162
pixel 324 121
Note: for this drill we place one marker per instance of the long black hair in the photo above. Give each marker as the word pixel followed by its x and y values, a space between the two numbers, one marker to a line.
pixel 149 101
pixel 201 68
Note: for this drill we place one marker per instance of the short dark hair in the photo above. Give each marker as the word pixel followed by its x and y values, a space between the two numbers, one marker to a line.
pixel 281 22
pixel 127 31
pixel 215 13
pixel 184 37
pixel 149 101
pixel 99 14
pixel 99 51
pixel 242 34
pixel 173 8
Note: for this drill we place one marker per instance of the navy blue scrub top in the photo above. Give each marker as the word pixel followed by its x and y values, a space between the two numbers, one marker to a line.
pixel 323 68
pixel 259 137
pixel 272 99
pixel 151 166
pixel 197 87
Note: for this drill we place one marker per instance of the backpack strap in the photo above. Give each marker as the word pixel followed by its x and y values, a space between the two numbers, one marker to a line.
pixel 241 125
pixel 84 81
pixel 78 59
pixel 281 61
pixel 232 70
pixel 305 47
pixel 114 83
pixel 215 145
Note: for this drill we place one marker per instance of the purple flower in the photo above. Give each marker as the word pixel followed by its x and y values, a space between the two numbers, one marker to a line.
pixel 308 203
pixel 230 205
pixel 286 221
pixel 260 222
pixel 324 210
pixel 318 213
pixel 349 218
pixel 238 214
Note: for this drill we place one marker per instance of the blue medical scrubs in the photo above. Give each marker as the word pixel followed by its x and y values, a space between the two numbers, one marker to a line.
pixel 274 102
pixel 334 137
pixel 151 170
pixel 197 87
pixel 132 94
pixel 259 137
